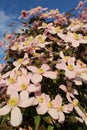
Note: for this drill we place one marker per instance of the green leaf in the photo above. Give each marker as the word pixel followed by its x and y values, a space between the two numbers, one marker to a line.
pixel 57 125
pixel 50 127
pixel 37 120
pixel 47 119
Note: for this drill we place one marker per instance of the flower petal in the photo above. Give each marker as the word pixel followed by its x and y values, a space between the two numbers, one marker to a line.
pixel 41 109
pixel 34 88
pixel 28 102
pixel 61 117
pixel 36 78
pixel 34 69
pixel 16 117
pixel 53 113
pixel 5 110
pixel 50 74
pixel 63 87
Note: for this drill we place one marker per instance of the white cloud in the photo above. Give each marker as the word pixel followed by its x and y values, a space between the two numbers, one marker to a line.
pixel 4 21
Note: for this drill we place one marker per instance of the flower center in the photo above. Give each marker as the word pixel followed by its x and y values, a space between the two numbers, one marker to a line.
pixel 40 70
pixel 50 104
pixel 66 58
pixel 75 102
pixel 40 39
pixel 69 89
pixel 20 60
pixel 11 80
pixel 23 86
pixel 58 29
pixel 76 37
pixel 60 108
pixel 40 99
pixel 85 37
pixel 29 41
pixel 13 102
pixel 44 25
pixel 70 67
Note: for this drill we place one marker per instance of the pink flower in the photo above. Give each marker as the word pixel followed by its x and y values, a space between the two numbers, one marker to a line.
pixel 75 104
pixel 45 105
pixel 13 105
pixel 24 14
pixel 82 118
pixel 36 10
pixel 40 41
pixel 1 43
pixel 21 61
pixel 81 4
pixel 71 68
pixel 44 70
pixel 61 109
pixel 69 92
pixel 74 38
pixel 2 67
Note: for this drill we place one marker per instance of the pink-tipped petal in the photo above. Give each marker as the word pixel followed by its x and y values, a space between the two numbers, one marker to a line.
pixel 63 87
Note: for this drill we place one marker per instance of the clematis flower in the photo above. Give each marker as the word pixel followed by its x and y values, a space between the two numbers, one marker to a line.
pixel 13 105
pixel 23 83
pixel 1 43
pixel 36 10
pixel 40 41
pixel 21 61
pixel 45 105
pixel 75 104
pixel 44 70
pixel 82 118
pixel 83 76
pixel 74 38
pixel 2 67
pixel 71 68
pixel 24 14
pixel 61 109
pixel 69 92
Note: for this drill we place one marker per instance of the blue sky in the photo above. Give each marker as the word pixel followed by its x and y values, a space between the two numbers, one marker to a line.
pixel 10 10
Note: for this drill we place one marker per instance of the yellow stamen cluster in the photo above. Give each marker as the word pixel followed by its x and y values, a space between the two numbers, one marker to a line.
pixel 40 70
pixel 13 102
pixel 85 37
pixel 29 40
pixel 11 80
pixel 23 86
pixel 75 102
pixel 76 37
pixel 50 104
pixel 60 108
pixel 66 58
pixel 44 24
pixel 41 100
pixel 58 29
pixel 20 60
pixel 41 39
pixel 70 67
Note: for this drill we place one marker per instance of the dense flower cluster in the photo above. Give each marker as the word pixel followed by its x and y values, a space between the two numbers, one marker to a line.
pixel 46 69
